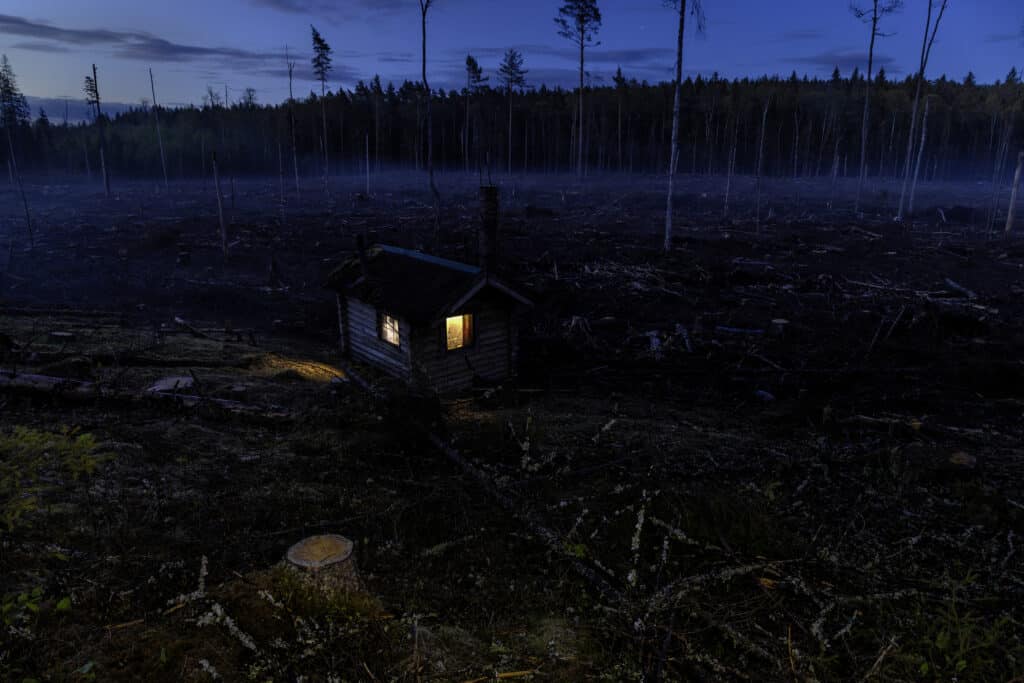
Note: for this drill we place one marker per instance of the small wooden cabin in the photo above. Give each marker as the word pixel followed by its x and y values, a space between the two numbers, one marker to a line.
pixel 438 324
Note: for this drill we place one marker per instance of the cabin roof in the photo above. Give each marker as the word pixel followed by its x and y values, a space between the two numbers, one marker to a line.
pixel 413 285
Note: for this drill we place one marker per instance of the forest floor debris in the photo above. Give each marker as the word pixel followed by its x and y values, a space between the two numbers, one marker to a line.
pixel 864 523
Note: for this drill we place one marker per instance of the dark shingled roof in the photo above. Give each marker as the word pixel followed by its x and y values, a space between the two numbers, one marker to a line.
pixel 410 284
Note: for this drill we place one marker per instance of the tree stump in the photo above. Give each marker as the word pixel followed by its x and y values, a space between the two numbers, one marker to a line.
pixel 326 562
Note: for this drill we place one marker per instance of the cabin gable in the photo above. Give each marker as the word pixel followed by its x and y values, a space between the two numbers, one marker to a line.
pixel 490 355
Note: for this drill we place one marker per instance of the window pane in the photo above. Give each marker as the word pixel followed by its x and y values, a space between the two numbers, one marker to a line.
pixel 453 332
pixel 389 330
pixel 459 331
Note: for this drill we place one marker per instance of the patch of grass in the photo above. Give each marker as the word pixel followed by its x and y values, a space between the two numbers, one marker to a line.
pixel 954 640
pixel 29 458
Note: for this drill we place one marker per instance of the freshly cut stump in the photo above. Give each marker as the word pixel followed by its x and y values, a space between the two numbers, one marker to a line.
pixel 326 561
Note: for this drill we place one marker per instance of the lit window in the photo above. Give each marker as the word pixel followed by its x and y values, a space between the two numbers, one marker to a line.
pixel 459 331
pixel 389 329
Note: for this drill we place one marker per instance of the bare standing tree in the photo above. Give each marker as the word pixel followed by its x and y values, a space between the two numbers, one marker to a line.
pixel 425 6
pixel 512 76
pixel 321 68
pixel 92 97
pixel 159 135
pixel 474 80
pixel 697 10
pixel 760 159
pixel 871 16
pixel 621 88
pixel 1011 212
pixel 930 32
pixel 290 64
pixel 579 21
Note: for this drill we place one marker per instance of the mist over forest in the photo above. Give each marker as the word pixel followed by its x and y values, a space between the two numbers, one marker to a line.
pixel 628 124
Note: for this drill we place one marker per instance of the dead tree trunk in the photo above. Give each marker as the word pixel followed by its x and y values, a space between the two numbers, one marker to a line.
pixel 926 48
pixel 159 135
pixel 220 209
pixel 323 142
pixel 13 167
pixel 103 170
pixel 673 155
pixel 796 145
pixel 99 125
pixel 424 7
pixel 579 151
pixel 291 118
pixel 835 170
pixel 280 170
pixel 920 155
pixel 1012 211
pixel 731 164
pixel 760 161
pixel 1002 150
pixel 620 133
pixel 280 176
pixel 510 130
pixel 875 16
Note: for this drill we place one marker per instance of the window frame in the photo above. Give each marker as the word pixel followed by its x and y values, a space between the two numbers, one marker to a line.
pixel 472 332
pixel 382 317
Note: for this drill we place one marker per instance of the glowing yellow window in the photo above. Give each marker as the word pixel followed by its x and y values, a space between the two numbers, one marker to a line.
pixel 389 329
pixel 459 331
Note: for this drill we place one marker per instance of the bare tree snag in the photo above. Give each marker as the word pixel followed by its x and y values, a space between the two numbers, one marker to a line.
pixel 926 49
pixel 220 209
pixel 290 64
pixel 280 172
pixel 159 135
pixel 760 160
pixel 12 165
pixel 920 155
pixel 731 168
pixel 873 17
pixel 425 6
pixel 92 96
pixel 1012 211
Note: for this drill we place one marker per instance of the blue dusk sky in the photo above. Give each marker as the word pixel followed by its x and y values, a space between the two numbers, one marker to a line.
pixel 191 44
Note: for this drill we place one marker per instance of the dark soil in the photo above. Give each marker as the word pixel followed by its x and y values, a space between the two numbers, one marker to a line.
pixel 788 450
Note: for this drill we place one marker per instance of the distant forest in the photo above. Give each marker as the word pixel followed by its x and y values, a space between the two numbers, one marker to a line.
pixel 812 129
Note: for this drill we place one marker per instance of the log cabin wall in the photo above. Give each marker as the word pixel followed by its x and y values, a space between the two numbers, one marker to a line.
pixel 365 344
pixel 490 356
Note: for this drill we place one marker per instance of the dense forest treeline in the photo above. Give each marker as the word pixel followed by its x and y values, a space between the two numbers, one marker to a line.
pixel 812 129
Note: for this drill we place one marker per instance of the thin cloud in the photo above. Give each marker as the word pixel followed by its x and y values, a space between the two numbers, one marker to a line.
pixel 333 10
pixel 134 45
pixel 654 57
pixel 1004 37
pixel 38 46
